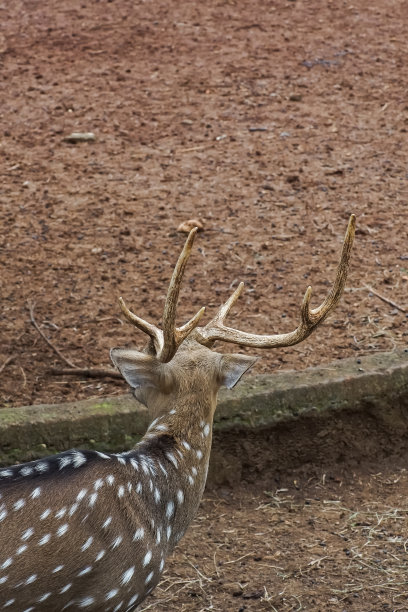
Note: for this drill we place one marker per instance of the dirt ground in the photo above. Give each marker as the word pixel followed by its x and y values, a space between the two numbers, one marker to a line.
pixel 325 541
pixel 268 121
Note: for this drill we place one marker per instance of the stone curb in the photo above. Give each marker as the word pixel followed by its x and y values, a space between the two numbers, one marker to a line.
pixel 376 382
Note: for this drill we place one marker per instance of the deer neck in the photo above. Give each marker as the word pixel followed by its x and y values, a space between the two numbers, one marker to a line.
pixel 179 443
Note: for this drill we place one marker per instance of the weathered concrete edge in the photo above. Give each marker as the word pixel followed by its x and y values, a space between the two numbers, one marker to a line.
pixel 116 423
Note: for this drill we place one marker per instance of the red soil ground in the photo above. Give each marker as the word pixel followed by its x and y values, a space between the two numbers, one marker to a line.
pixel 270 122
pixel 173 92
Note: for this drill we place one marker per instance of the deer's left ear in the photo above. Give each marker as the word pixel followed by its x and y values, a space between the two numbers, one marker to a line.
pixel 233 367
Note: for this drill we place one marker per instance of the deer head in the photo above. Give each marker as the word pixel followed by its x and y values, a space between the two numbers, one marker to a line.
pixel 180 361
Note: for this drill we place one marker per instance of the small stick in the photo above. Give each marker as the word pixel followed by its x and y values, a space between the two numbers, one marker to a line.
pixel 31 307
pixel 87 372
pixel 72 369
pixel 5 363
pixel 385 299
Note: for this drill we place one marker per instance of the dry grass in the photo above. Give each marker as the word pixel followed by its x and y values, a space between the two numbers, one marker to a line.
pixel 320 546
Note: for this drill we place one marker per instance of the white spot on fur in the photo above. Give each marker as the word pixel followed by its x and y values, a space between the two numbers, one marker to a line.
pixel 73 509
pixel 46 513
pixel 87 544
pixel 127 576
pixel 121 491
pixel 172 458
pixel 45 539
pixel 170 509
pixel 116 542
pixel 6 563
pixel 100 555
pixel 26 471
pixel 139 533
pixel 162 468
pixel 111 594
pixel 44 597
pixel 78 459
pixel 87 601
pixel 206 430
pixel 64 461
pixel 27 534
pixel 149 578
pixel 147 558
pixel 98 484
pixel 102 455
pixel 81 494
pixel 57 569
pixel 62 530
pixel 92 500
pixel 60 513
pixel 85 571
pixel 199 454
pixel 6 473
pixel 21 549
pixel 66 588
pixel 107 522
pixel 20 503
pixel 180 496
pixel 186 445
pixel 35 493
pixel 42 467
pixel 110 479
pixel 133 600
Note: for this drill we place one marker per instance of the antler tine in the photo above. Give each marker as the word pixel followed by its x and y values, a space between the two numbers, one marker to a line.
pixel 310 318
pixel 154 332
pixel 166 342
pixel 218 321
pixel 174 336
pixel 317 315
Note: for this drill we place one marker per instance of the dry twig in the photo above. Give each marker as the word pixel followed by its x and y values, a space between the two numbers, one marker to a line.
pixel 6 362
pixel 385 299
pixel 72 369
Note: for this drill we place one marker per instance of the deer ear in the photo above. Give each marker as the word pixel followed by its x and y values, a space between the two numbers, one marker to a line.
pixel 233 367
pixel 138 369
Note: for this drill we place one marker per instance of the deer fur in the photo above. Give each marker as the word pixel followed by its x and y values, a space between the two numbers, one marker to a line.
pixel 85 530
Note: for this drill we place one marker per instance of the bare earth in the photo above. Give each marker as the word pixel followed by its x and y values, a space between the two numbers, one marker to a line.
pixel 314 543
pixel 270 122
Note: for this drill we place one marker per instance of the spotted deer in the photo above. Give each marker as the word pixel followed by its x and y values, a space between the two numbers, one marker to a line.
pixel 88 530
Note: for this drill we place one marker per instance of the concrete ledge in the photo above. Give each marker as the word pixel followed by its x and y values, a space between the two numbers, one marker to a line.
pixel 376 384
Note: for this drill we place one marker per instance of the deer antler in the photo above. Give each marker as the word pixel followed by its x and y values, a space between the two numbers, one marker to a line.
pixel 310 318
pixel 167 341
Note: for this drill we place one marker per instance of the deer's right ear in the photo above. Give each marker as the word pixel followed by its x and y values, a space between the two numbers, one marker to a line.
pixel 138 369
